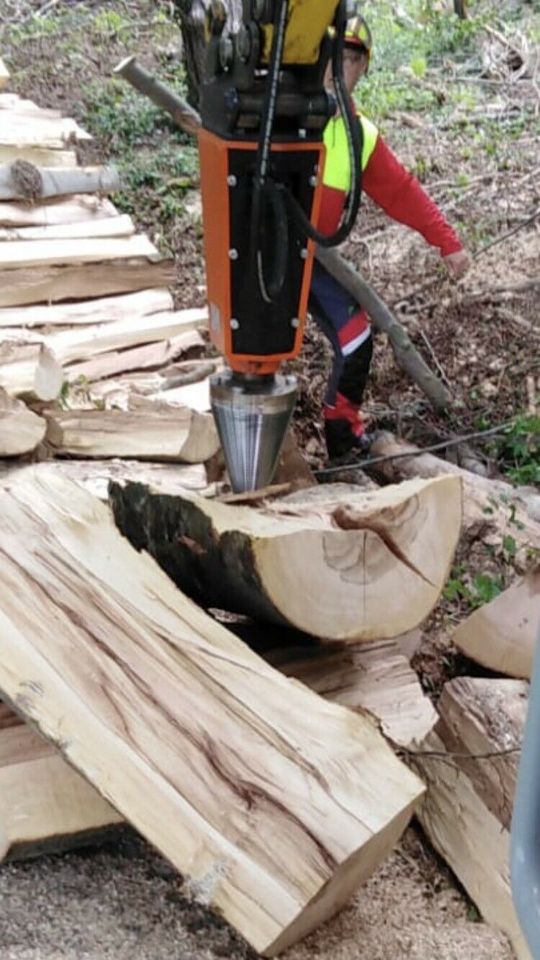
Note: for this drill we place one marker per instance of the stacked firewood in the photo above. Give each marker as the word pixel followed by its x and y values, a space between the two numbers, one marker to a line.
pixel 274 753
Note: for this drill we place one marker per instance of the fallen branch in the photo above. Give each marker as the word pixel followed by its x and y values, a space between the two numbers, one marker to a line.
pixel 407 357
pixel 22 180
pixel 185 116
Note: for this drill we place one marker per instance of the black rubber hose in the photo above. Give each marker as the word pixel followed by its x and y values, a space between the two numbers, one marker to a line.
pixel 269 289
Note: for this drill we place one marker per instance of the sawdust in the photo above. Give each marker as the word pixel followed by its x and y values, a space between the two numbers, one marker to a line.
pixel 123 902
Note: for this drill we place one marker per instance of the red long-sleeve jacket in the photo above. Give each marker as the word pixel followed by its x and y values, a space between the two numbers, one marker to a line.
pixel 386 181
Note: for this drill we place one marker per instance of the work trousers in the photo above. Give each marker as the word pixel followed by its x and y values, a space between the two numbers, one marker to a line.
pixel 347 327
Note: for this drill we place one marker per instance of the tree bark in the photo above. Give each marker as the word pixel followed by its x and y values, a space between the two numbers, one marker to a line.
pixel 273 803
pixel 367 567
pixel 22 180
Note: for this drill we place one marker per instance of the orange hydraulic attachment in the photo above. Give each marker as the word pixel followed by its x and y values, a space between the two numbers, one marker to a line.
pixel 217 189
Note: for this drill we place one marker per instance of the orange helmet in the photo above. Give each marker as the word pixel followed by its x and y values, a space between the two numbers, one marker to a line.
pixel 358 34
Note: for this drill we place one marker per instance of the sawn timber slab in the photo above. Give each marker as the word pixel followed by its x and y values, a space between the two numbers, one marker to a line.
pixel 270 799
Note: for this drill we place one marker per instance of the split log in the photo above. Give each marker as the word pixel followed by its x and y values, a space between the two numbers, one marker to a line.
pixel 45 806
pixel 501 635
pixel 40 156
pixel 492 502
pixel 87 342
pixel 48 213
pixel 368 677
pixel 281 802
pixel 369 567
pixel 470 766
pixel 29 370
pixel 149 356
pixel 33 253
pixel 52 133
pixel 122 226
pixel 406 355
pixel 16 104
pixel 23 180
pixel 81 281
pixel 21 430
pixel 123 307
pixel 148 431
pixel 94 476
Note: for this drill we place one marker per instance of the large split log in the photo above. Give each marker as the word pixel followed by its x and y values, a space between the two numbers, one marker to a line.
pixel 48 213
pixel 29 370
pixel 470 766
pixel 501 635
pixel 367 568
pixel 495 502
pixel 104 310
pixel 45 806
pixel 373 677
pixel 47 284
pixel 147 431
pixel 272 801
pixel 21 430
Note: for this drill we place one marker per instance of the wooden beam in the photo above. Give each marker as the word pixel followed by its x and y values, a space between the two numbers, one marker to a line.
pixel 111 364
pixel 272 801
pixel 369 567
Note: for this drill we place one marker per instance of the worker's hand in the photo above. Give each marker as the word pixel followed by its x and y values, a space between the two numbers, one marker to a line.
pixel 457 263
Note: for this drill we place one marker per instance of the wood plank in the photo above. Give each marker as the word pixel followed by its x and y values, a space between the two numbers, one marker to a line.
pixel 148 431
pixel 81 281
pixel 122 226
pixel 470 764
pixel 281 802
pixel 44 804
pixel 365 567
pixel 39 156
pixel 30 253
pixel 21 430
pixel 501 635
pixel 92 311
pixel 63 210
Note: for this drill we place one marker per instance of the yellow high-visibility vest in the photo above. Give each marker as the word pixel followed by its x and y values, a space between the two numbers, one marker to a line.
pixel 337 170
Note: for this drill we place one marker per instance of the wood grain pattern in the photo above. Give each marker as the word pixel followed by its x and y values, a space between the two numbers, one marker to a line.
pixel 275 803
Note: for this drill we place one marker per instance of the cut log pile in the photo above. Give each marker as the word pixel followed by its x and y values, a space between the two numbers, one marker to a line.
pixel 274 760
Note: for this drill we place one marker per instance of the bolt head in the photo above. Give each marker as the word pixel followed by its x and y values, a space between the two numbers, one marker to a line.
pixel 234 324
pixel 231 180
pixel 233 254
pixel 295 322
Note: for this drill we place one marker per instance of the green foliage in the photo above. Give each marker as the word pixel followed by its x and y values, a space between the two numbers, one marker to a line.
pixel 518 451
pixel 474 590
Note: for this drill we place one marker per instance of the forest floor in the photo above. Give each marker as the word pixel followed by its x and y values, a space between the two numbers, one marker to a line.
pixel 460 105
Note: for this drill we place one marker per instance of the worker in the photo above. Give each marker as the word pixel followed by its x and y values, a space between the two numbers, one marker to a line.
pixel 400 195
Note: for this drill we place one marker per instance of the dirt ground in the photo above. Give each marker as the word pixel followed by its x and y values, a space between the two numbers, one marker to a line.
pixel 479 159
pixel 121 901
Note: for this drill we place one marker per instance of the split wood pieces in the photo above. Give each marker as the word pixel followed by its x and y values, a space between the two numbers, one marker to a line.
pixel 470 766
pixel 370 570
pixel 273 802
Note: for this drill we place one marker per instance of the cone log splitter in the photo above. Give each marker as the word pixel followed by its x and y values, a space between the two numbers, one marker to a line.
pixel 263 109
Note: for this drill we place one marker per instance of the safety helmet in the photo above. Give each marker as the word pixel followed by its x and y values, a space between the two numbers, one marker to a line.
pixel 358 35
